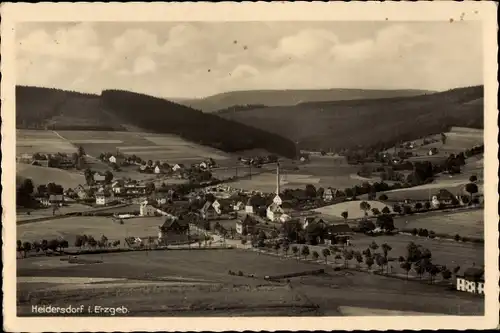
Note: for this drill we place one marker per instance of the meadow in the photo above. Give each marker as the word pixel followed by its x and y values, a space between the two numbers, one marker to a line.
pixel 169 283
pixel 35 141
pixel 42 175
pixel 352 208
pixel 468 223
pixel 96 226
pixel 164 147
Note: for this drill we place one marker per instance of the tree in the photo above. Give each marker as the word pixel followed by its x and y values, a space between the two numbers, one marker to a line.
pixel 419 269
pixel 369 262
pixel 19 247
pixel 27 187
pixel 375 211
pixel 79 241
pixel 365 206
pixel 366 225
pixel 472 189
pixel 345 215
pixel 427 205
pixel 386 248
pixel 63 244
pixel 413 252
pixel 305 251
pixel 446 274
pixel 310 191
pixel 418 206
pixel 320 192
pixel 315 255
pixel 407 267
pixel 104 240
pixel 397 208
pixel 295 251
pixel 277 247
pixel 150 163
pixel 381 262
pixel 108 176
pixel 53 245
pixel 44 245
pixel 433 270
pixel 367 252
pixel 386 210
pixel 383 197
pixel 150 187
pixel 374 246
pixel 359 258
pixel 348 255
pixel 89 176
pixel 473 178
pixel 326 253
pixel 385 222
pixel 443 138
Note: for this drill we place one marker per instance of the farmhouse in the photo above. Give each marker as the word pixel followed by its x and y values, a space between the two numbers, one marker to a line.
pixel 252 204
pixel 25 158
pixel 174 230
pixel 99 178
pixel 209 210
pixel 329 194
pixel 81 192
pixel 147 209
pixel 238 206
pixel 336 231
pixel 432 151
pixel 203 165
pixel 43 163
pixel 274 212
pixel 178 167
pixel 157 169
pixel 117 187
pixel 103 197
pixel 247 226
pixel 472 281
pixel 446 197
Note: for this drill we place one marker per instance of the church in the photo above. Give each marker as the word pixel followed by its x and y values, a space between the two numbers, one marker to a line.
pixel 275 211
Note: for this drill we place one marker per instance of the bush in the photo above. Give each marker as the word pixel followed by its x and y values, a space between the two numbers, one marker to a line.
pixel 432 234
pixel 457 237
pixel 230 272
pixel 240 273
pixel 414 232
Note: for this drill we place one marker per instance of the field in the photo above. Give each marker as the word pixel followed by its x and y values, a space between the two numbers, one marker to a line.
pixel 33 141
pixel 191 283
pixel 162 147
pixel 42 175
pixel 351 207
pixel 69 228
pixel 469 223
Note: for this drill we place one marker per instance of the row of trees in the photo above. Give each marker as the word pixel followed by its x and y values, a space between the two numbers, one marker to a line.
pixel 54 245
pixel 89 242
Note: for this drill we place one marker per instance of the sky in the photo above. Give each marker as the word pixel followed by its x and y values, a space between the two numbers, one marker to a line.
pixel 198 59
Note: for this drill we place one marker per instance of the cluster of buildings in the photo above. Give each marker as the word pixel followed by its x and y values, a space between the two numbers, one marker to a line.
pixel 59 160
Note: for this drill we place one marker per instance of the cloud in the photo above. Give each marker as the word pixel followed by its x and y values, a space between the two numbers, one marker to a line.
pixel 199 59
pixel 78 42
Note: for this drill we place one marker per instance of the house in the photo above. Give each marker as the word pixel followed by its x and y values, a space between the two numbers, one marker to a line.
pixel 329 194
pixel 174 230
pixel 43 200
pixel 117 187
pixel 43 163
pixel 25 158
pixel 147 209
pixel 238 206
pixel 432 151
pixel 161 201
pixel 99 177
pixel 103 197
pixel 246 226
pixel 307 221
pixel 203 165
pixel 446 197
pixel 472 281
pixel 56 199
pixel 336 232
pixel 208 211
pixel 274 211
pixel 157 169
pixel 178 167
pixel 252 204
pixel 81 192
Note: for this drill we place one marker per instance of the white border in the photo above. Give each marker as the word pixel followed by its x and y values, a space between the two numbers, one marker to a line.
pixel 278 11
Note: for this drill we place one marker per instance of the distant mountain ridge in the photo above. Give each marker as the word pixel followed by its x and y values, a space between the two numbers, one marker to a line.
pixel 46 108
pixel 368 122
pixel 291 97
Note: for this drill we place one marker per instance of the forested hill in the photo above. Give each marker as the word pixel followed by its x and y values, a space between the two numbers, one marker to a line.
pixel 162 116
pixel 47 108
pixel 368 122
pixel 291 97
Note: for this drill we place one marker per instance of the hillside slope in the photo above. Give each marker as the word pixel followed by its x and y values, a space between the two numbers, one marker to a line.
pixel 44 108
pixel 346 124
pixel 290 97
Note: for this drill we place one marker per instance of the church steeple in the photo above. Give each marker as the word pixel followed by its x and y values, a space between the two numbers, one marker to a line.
pixel 277 200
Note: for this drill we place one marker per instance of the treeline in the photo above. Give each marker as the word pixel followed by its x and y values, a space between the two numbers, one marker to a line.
pixel 162 116
pixel 369 122
pixel 237 108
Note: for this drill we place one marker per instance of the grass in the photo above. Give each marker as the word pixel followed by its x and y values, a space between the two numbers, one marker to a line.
pixel 33 141
pixel 469 223
pixel 227 295
pixel 352 207
pixel 170 148
pixel 69 228
pixel 42 175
